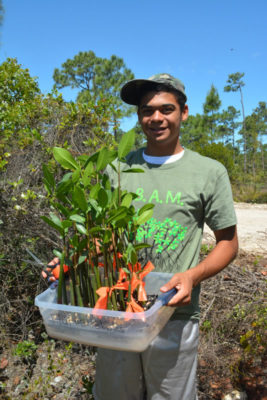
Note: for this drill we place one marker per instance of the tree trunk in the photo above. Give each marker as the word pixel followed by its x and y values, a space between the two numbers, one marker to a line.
pixel 233 141
pixel 244 130
pixel 262 156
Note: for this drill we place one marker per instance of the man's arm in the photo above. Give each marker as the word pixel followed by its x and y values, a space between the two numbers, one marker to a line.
pixel 223 253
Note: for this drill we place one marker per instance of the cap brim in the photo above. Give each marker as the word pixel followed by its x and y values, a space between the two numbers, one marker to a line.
pixel 132 90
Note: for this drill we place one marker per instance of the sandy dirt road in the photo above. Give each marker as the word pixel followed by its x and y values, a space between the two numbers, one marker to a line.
pixel 251 226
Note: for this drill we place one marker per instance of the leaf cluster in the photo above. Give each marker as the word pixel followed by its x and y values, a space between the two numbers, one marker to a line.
pixel 234 82
pixel 93 218
pixel 26 350
pixel 95 77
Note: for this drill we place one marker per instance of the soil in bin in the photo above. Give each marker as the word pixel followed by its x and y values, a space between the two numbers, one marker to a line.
pixel 103 323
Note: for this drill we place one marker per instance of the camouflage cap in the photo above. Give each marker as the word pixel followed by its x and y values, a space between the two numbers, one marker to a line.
pixel 133 90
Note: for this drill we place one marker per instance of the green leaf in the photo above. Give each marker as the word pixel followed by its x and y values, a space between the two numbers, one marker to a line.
pixel 89 170
pixel 95 229
pixel 86 180
pixel 76 175
pixel 144 217
pixel 81 229
pixel 79 198
pixel 82 245
pixel 49 178
pixel 141 246
pixel 66 224
pixel 126 270
pixel 53 225
pixel 77 218
pixel 92 158
pixel 102 198
pixel 74 240
pixel 63 188
pixel 106 182
pixel 66 178
pixel 57 221
pixel 119 214
pixel 112 155
pixel 133 170
pixel 127 200
pixel 105 157
pixel 113 167
pixel 145 208
pixel 47 187
pixel 131 254
pixel 81 259
pixel 58 254
pixel 61 208
pixel 94 204
pixel 102 160
pixel 115 196
pixel 88 173
pixel 109 194
pixel 126 143
pixel 94 191
pixel 107 236
pixel 64 158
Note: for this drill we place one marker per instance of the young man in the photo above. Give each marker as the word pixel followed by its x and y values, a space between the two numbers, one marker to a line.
pixel 187 190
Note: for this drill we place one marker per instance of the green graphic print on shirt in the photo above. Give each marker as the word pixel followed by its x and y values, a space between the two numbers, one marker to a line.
pixel 154 197
pixel 167 234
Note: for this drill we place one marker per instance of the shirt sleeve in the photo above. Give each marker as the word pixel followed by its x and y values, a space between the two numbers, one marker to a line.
pixel 219 208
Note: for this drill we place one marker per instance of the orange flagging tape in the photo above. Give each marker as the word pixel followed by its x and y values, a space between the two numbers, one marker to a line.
pixel 102 302
pixel 123 284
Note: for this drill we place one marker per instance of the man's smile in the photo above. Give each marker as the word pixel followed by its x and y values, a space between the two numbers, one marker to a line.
pixel 157 129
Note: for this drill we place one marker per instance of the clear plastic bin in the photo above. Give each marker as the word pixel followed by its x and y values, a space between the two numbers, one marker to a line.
pixel 110 329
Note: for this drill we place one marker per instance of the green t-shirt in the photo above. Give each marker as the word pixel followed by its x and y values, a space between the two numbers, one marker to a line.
pixel 186 193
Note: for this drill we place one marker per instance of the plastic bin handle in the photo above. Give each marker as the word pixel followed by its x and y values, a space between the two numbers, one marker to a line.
pixel 166 297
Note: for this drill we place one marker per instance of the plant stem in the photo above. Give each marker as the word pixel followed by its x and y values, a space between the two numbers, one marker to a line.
pixel 129 293
pixel 113 295
pixel 122 301
pixel 97 275
pixel 105 262
pixel 79 296
pixel 94 286
pixel 62 292
pixel 83 276
pixel 106 283
pixel 72 293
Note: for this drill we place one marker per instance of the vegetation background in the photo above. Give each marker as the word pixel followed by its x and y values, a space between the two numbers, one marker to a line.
pixel 32 122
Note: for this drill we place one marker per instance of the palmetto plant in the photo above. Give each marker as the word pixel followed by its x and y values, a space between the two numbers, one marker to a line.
pixel 98 226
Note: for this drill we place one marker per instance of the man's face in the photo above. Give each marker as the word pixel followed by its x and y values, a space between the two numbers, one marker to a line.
pixel 160 117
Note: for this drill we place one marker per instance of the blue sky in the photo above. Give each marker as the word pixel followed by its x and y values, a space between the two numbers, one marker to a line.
pixel 200 42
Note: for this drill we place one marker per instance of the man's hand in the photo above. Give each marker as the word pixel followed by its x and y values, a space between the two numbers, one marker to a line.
pixel 51 272
pixel 183 283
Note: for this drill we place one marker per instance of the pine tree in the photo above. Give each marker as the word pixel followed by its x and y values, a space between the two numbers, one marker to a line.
pixel 234 84
pixel 210 108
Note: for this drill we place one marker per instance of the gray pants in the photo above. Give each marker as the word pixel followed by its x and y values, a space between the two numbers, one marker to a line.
pixel 166 370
